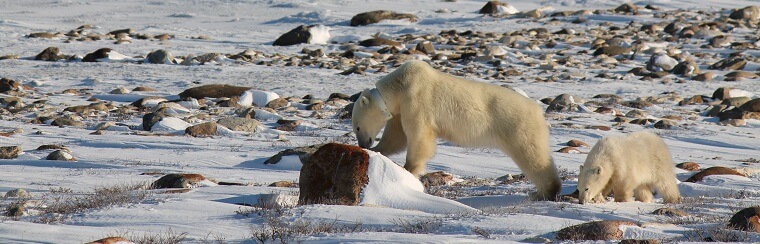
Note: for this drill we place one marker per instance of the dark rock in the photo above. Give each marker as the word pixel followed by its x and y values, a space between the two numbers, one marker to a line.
pixel 61 155
pixel 751 106
pixel 686 68
pixel 634 241
pixel 50 147
pixel 735 101
pixel 319 184
pixel 627 8
pixel 7 85
pixel 64 121
pixel 283 183
pixel 178 181
pixel 98 54
pixel 15 210
pixel 288 125
pixel 304 153
pixel 562 103
pixel 597 230
pixel 426 47
pixel 127 31
pixel 734 113
pixel 377 41
pixel 372 17
pixel 612 51
pixel 739 75
pixel 722 93
pixel 706 76
pixel 202 130
pixel 299 35
pixel 151 119
pixel 665 124
pixel 49 54
pixel 670 212
pixel 491 7
pixel 213 91
pixel 277 103
pixel 747 13
pixel 689 166
pixel 717 170
pixel 339 96
pixel 732 63
pixel 10 152
pixel 143 89
pixel 577 143
pixel 747 219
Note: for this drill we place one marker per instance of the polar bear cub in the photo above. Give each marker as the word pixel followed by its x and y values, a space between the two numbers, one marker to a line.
pixel 628 166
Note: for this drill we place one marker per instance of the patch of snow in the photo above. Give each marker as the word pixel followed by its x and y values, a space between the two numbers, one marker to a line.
pixel 170 124
pixel 320 34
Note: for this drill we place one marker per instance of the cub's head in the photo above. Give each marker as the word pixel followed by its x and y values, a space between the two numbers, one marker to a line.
pixel 591 182
pixel 368 117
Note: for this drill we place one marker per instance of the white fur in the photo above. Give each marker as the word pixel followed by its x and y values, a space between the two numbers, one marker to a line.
pixel 628 166
pixel 427 104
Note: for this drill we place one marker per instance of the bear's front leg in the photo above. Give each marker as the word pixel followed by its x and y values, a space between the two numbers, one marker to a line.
pixel 643 194
pixel 393 140
pixel 421 147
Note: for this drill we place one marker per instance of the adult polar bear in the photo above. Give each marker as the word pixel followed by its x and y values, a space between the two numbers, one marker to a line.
pixel 418 104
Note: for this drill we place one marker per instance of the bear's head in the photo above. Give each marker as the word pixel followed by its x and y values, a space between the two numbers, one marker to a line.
pixel 368 117
pixel 591 183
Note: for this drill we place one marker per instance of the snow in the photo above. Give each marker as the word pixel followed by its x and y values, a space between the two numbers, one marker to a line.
pixel 124 154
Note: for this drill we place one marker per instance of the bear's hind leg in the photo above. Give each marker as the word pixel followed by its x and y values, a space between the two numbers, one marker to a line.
pixel 534 161
pixel 393 140
pixel 643 193
pixel 622 194
pixel 669 191
pixel 422 142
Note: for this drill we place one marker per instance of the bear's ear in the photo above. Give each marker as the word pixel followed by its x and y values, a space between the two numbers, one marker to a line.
pixel 599 170
pixel 364 101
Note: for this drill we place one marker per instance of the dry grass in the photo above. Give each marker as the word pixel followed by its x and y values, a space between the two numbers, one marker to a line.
pixel 61 202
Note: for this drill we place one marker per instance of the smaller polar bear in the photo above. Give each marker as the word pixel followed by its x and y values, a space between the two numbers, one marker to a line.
pixel 627 166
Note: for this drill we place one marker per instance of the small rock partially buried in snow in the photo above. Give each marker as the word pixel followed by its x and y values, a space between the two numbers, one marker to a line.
pixel 112 240
pixel 60 155
pixel 596 230
pixel 747 219
pixel 372 17
pixel 17 193
pixel 312 34
pixel 180 181
pixel 717 170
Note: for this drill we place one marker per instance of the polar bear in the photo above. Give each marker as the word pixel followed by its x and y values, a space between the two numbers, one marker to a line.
pixel 627 166
pixel 418 104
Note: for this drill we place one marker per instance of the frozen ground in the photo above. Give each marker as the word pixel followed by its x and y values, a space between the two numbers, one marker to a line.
pixel 209 214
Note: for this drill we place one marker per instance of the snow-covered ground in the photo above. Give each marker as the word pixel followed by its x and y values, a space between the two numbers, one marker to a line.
pixel 123 154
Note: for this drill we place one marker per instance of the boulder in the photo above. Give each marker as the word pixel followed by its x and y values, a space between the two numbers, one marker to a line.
pixel 562 103
pixel 10 152
pixel 749 13
pixel 304 153
pixel 60 155
pixel 612 51
pixel 49 54
pixel 378 41
pixel 717 170
pixel 751 105
pixel 178 181
pixel 319 184
pixel 597 230
pixel 213 91
pixel 160 56
pixel 732 63
pixel 577 143
pixel 299 35
pixel 65 121
pixel 98 54
pixel 497 7
pixel 689 166
pixel 372 17
pixel 239 124
pixel 18 193
pixel 670 212
pixel 112 240
pixel 747 219
pixel 202 130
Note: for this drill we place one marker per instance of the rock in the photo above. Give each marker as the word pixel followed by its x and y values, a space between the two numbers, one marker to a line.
pixel 283 183
pixel 15 210
pixel 7 85
pixel 734 113
pixel 320 185
pixel 45 35
pixel 98 54
pixel 715 110
pixel 50 147
pixel 20 193
pixel 288 125
pixel 603 230
pixel 747 219
pixel 278 103
pixel 577 143
pixel 202 130
pixel 736 101
pixel 120 90
pixel 717 170
pixel 612 51
pixel 751 105
pixel 562 103
pixel 688 166
pixel 661 62
pixel 178 181
pixel 299 35
pixel 127 31
pixel 339 96
pixel 112 240
pixel 49 54
pixel 670 212
pixel 10 152
pixel 696 99
pixel 372 17
pixel 535 14
pixel 239 124
pixel 722 93
pixel 378 41
pixel 64 121
pixel 739 75
pixel 104 125
pixel 749 13
pixel 497 7
pixel 304 153
pixel 426 47
pixel 627 8
pixel 665 124
pixel 160 56
pixel 686 68
pixel 143 89
pixel 733 122
pixel 732 63
pixel 634 241
pixel 439 178
pixel 569 150
pixel 636 114
pixel 213 91
pixel 60 155
pixel 151 119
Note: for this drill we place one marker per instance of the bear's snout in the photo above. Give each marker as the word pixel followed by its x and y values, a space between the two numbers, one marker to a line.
pixel 366 144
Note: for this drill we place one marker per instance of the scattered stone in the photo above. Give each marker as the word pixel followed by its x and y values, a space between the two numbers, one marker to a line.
pixel 689 166
pixel 747 219
pixel 577 143
pixel 751 105
pixel 304 153
pixel 49 54
pixel 202 130
pixel 497 7
pixel 426 47
pixel 283 183
pixel 732 63
pixel 45 35
pixel 569 150
pixel 665 124
pixel 603 230
pixel 213 91
pixel 151 119
pixel 160 56
pixel 299 35
pixel 372 17
pixel 722 93
pixel 627 8
pixel 612 51
pixel 178 181
pixel 51 147
pixel 10 152
pixel 15 210
pixel 670 212
pixel 661 62
pixel 7 85
pixel 439 178
pixel 64 121
pixel 320 185
pixel 20 193
pixel 636 114
pixel 278 103
pixel 562 103
pixel 716 170
pixel 119 91
pixel 288 125
pixel 60 155
pixel 127 31
pixel 143 89
pixel 378 41
pixel 239 124
pixel 749 13
pixel 98 54
pixel 739 75
pixel 634 241
pixel 736 101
